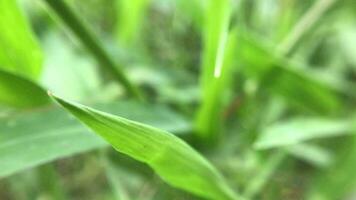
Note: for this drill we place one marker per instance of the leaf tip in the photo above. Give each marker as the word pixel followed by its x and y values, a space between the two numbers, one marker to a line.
pixel 49 93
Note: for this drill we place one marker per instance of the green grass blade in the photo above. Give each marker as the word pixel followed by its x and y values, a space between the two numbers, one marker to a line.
pixel 19 92
pixel 215 31
pixel 193 10
pixel 259 180
pixel 62 136
pixel 19 51
pixel 210 112
pixel 304 24
pixel 170 157
pixel 300 86
pixel 312 154
pixel 130 17
pixel 115 180
pixel 303 89
pixel 216 63
pixel 298 130
pixel 89 40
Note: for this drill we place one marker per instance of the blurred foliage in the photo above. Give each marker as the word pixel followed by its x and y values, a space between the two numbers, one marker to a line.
pixel 265 90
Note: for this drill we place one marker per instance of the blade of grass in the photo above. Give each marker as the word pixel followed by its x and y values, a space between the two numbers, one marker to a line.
pixel 304 24
pixel 170 157
pixel 215 31
pixel 62 136
pixel 300 86
pixel 313 154
pixel 19 52
pixel 298 130
pixel 216 62
pixel 130 16
pixel 260 179
pixel 209 115
pixel 193 10
pixel 113 178
pixel 91 42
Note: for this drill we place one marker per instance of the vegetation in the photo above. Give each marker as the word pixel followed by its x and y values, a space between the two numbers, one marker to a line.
pixel 177 99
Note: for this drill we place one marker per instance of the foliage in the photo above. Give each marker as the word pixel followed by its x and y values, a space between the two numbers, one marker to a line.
pixel 188 99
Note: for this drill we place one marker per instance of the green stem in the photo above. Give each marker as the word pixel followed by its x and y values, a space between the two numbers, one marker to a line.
pixel 91 42
pixel 260 179
pixel 305 23
pixel 115 183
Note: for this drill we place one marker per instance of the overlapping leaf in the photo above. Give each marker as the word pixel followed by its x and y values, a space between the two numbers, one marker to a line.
pixel 30 139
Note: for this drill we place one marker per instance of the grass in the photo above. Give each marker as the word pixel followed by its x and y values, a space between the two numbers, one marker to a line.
pixel 203 99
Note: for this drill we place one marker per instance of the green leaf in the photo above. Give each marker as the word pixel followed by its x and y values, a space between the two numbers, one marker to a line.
pixel 19 92
pixel 170 157
pixel 62 136
pixel 193 10
pixel 215 32
pixel 303 88
pixel 313 154
pixel 256 184
pixel 131 15
pixel 298 130
pixel 219 46
pixel 19 51
pixel 298 84
pixel 210 112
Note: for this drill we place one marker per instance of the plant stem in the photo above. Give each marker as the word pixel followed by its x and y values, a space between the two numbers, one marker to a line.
pixel 260 179
pixel 304 24
pixel 115 183
pixel 90 41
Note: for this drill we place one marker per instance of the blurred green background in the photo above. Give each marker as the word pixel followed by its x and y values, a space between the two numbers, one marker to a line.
pixel 265 89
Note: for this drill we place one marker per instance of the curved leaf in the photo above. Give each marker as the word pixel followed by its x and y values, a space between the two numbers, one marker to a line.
pixel 170 157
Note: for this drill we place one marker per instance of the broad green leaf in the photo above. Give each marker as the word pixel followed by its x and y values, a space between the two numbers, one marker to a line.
pixel 170 157
pixel 19 92
pixel 19 51
pixel 62 136
pixel 298 130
